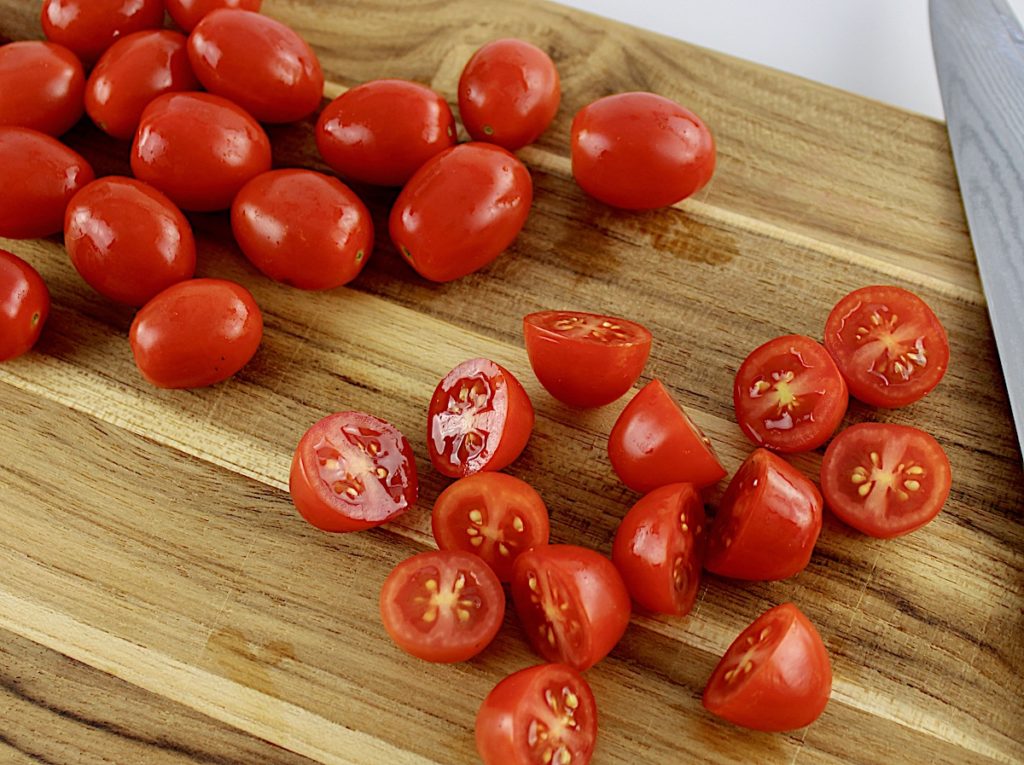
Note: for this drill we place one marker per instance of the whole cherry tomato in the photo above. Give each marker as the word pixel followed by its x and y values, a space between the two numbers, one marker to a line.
pixel 508 93
pixel 188 13
pixel 461 210
pixel 199 150
pixel 43 87
pixel 134 71
pixel 38 177
pixel 24 305
pixel 303 228
pixel 383 131
pixel 640 151
pixel 257 62
pixel 195 333
pixel 89 27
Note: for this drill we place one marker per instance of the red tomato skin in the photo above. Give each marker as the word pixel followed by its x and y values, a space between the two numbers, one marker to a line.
pixel 196 333
pixel 199 149
pixel 257 62
pixel 38 177
pixel 461 210
pixel 771 515
pixel 24 306
pixel 383 131
pixel 303 228
pixel 43 87
pixel 89 27
pixel 188 13
pixel 127 240
pixel 640 151
pixel 509 93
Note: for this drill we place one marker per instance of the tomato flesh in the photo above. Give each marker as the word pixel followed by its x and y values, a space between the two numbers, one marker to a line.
pixel 43 86
pixel 24 306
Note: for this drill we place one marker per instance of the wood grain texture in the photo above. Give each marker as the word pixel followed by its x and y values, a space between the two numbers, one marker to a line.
pixel 148 535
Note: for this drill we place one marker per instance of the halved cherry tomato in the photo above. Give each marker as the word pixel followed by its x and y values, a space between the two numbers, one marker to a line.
pixel 767 522
pixel 885 480
pixel 443 606
pixel 776 676
pixel 585 359
pixel 493 515
pixel 508 93
pixel 654 442
pixel 43 86
pixel 353 471
pixel 89 27
pixel 544 715
pixel 480 418
pixel 659 548
pixel 461 210
pixel 188 13
pixel 24 305
pixel 789 395
pixel 572 602
pixel 889 345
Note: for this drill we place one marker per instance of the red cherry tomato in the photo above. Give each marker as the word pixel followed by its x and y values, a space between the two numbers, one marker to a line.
pixel 461 210
pixel 659 548
pixel 654 442
pixel 24 306
pixel 257 62
pixel 585 359
pixel 767 522
pixel 443 606
pixel 789 395
pixel 383 131
pixel 43 87
pixel 38 177
pixel 508 93
pixel 480 418
pixel 195 333
pixel 134 71
pixel 303 228
pixel 351 472
pixel 188 13
pixel 776 676
pixel 127 240
pixel 198 149
pixel 572 603
pixel 640 151
pixel 888 344
pixel 493 515
pixel 89 27
pixel 885 480
pixel 544 714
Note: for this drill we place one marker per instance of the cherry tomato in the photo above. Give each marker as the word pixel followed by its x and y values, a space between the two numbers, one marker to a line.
pixel 89 27
pixel 508 93
pixel 538 715
pixel 659 548
pixel 443 606
pixel 24 306
pixel 776 676
pixel 654 442
pixel 888 344
pixel 195 333
pixel 188 13
pixel 303 228
pixel 127 240
pixel 353 471
pixel 585 359
pixel 480 418
pixel 640 151
pixel 572 603
pixel 885 480
pixel 383 131
pixel 767 522
pixel 198 149
pixel 461 210
pixel 43 87
pixel 38 177
pixel 134 71
pixel 493 515
pixel 257 62
pixel 789 395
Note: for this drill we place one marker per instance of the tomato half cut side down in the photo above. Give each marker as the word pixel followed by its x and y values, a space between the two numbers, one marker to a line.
pixel 442 606
pixel 24 305
pixel 776 676
pixel 885 480
pixel 353 471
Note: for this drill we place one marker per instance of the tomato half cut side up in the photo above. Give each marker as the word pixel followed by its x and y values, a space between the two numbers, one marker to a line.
pixel 353 471
pixel 885 480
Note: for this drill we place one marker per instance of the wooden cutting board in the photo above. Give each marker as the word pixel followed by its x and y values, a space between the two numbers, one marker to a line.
pixel 161 601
